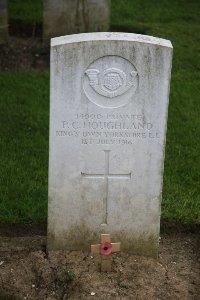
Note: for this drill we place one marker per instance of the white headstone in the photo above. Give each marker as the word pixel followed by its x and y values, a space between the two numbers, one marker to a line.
pixel 108 118
pixel 63 17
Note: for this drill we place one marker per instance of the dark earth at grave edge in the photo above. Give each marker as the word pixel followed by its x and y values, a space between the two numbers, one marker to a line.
pixel 28 271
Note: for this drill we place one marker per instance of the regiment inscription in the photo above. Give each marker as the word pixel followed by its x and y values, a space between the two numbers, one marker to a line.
pixel 107 129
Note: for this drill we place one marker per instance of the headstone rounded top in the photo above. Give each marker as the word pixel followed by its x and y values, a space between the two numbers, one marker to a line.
pixel 104 36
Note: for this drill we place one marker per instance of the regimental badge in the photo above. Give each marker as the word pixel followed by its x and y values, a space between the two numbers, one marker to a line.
pixel 111 82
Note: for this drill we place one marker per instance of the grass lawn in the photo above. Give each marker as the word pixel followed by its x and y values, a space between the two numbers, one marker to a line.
pixel 24 104
pixel 24 146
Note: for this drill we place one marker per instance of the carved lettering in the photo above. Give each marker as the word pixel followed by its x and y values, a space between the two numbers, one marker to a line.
pixel 108 129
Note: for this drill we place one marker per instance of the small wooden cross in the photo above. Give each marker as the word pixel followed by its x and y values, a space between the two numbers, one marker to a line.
pixel 105 248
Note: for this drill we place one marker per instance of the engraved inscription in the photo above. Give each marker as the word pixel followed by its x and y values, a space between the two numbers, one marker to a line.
pixel 110 81
pixel 106 176
pixel 107 129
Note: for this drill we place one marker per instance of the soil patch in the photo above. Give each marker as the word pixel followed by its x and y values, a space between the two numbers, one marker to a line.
pixel 15 230
pixel 21 53
pixel 25 29
pixel 27 272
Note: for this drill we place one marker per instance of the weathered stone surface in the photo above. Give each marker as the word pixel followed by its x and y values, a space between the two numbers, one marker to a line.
pixel 108 118
pixel 74 16
pixel 3 22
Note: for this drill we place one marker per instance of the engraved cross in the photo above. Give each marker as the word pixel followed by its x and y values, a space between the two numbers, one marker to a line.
pixel 106 176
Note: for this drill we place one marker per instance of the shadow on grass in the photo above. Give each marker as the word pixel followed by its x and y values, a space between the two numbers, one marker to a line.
pixel 25 29
pixel 33 29
pixel 128 28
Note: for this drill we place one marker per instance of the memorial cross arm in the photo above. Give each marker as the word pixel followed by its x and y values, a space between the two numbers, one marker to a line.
pixel 105 238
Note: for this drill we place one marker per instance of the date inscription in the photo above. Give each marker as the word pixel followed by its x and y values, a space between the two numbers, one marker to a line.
pixel 108 129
